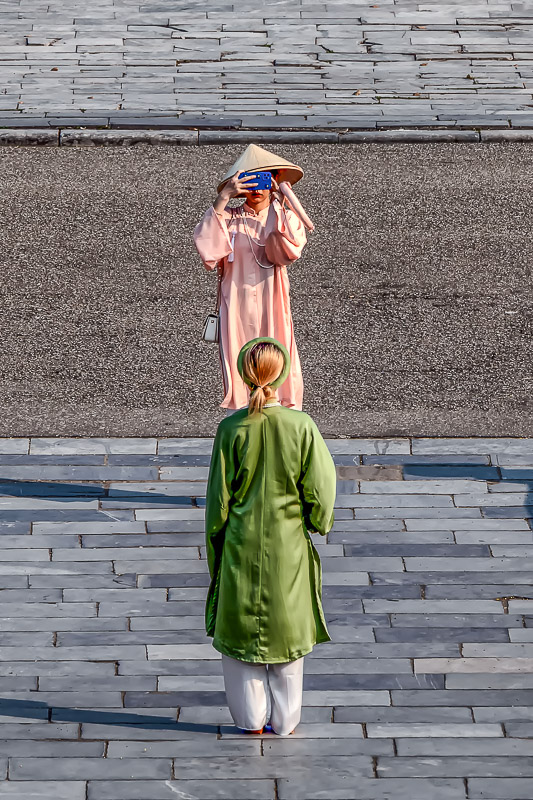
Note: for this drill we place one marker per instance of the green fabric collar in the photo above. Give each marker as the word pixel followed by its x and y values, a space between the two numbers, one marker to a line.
pixel 284 374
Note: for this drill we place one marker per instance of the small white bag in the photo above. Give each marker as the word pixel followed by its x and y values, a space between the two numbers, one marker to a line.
pixel 211 332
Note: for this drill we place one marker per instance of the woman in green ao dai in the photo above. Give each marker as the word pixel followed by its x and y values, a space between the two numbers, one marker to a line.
pixel 271 484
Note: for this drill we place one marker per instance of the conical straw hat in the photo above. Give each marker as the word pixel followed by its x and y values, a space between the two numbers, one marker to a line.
pixel 254 157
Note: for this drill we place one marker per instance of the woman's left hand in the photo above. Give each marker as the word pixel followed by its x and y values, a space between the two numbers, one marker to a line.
pixel 275 189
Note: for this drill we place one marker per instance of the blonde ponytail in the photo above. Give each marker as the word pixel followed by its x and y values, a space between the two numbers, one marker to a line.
pixel 260 395
pixel 261 366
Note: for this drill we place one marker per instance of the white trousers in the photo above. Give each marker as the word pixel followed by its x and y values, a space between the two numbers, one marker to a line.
pixel 230 411
pixel 259 693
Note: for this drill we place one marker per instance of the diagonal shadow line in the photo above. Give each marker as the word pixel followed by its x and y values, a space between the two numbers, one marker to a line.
pixel 67 490
pixel 29 709
pixel 63 490
pixel 472 472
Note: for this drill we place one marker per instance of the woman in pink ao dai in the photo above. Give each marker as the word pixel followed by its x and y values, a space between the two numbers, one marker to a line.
pixel 254 296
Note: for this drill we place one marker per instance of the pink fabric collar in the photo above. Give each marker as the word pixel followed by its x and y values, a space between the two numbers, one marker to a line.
pixel 249 210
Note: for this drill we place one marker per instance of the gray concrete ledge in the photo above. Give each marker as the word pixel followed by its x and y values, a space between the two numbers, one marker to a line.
pixel 507 136
pixel 36 136
pixel 414 135
pixel 274 136
pixel 70 137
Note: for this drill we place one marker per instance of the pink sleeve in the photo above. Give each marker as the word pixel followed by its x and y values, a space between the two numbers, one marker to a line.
pixel 211 237
pixel 292 229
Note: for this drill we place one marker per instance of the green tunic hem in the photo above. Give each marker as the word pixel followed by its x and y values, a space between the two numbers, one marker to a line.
pixel 240 656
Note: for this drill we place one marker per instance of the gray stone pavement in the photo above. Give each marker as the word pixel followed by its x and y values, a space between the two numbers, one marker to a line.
pixel 109 689
pixel 286 64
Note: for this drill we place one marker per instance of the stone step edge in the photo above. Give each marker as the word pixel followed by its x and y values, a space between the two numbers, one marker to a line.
pixel 68 137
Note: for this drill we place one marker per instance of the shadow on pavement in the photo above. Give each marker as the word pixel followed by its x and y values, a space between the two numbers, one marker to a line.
pixel 33 709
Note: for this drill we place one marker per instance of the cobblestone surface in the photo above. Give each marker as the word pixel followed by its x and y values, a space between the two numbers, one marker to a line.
pixel 289 64
pixel 110 689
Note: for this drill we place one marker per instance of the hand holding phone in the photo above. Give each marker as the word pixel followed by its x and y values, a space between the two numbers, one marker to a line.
pixel 259 180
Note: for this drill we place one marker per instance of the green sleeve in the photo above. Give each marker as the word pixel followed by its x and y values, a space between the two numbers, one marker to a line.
pixel 217 498
pixel 318 482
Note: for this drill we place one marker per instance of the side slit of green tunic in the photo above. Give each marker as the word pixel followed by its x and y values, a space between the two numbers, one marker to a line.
pixel 271 481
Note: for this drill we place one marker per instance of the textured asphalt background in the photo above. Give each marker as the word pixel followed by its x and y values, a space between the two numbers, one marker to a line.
pixel 412 305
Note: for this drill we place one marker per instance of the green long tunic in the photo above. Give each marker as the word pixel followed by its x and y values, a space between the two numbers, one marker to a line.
pixel 271 481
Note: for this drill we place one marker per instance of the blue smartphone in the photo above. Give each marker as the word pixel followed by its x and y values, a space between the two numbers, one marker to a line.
pixel 262 178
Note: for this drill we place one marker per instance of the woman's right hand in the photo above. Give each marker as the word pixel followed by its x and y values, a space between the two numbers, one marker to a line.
pixel 235 186
pixel 232 188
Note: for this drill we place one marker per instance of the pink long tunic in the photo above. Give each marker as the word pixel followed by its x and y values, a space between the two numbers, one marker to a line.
pixel 254 301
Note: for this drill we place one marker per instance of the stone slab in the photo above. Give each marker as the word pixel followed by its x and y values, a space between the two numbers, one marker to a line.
pixel 106 640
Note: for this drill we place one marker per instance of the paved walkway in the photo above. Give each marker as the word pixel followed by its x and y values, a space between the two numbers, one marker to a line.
pixel 290 63
pixel 111 691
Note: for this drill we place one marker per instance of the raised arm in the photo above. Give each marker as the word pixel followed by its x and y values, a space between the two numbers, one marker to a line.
pixel 292 201
pixel 318 482
pixel 286 242
pixel 211 236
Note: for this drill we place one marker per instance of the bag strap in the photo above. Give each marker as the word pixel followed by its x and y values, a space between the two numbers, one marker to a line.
pixel 219 287
pixel 220 269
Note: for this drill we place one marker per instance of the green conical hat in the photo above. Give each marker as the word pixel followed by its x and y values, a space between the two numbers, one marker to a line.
pixel 255 157
pixel 283 375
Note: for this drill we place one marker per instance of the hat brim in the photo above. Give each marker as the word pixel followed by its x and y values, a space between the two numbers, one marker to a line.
pixel 284 374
